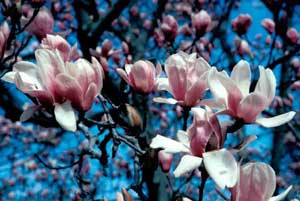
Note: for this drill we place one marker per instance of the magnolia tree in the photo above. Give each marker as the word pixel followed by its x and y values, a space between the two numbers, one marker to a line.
pixel 150 100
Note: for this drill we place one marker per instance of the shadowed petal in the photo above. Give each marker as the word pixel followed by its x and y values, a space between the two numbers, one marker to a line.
pixel 241 74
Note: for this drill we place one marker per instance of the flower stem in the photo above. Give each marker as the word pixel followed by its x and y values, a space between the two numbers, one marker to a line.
pixel 186 111
pixel 204 177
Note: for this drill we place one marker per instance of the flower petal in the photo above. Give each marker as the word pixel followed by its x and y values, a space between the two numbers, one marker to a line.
pixel 28 113
pixel 165 100
pixel 169 145
pixel 123 75
pixel 65 116
pixel 183 137
pixel 221 167
pixel 266 84
pixel 162 84
pixel 251 106
pixel 9 77
pixel 282 195
pixel 241 74
pixel 187 164
pixel 277 120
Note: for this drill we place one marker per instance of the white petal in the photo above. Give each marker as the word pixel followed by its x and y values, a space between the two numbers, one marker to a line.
pixel 29 112
pixel 162 84
pixel 241 74
pixel 183 137
pixel 216 87
pixel 128 68
pixel 65 116
pixel 221 167
pixel 9 77
pixel 169 145
pixel 266 84
pixel 165 100
pixel 281 196
pixel 277 120
pixel 187 164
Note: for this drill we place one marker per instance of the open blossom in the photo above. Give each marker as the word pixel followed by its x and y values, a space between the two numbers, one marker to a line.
pixel 257 181
pixel 4 33
pixel 42 24
pixel 140 76
pixel 241 23
pixel 201 22
pixel 232 94
pixel 64 85
pixel 187 79
pixel 202 141
pixel 53 42
pixel 268 24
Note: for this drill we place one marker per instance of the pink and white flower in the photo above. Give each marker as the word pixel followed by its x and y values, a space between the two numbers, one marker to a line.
pixel 53 42
pixel 4 34
pixel 257 181
pixel 186 81
pixel 141 75
pixel 201 22
pixel 205 130
pixel 268 24
pixel 64 85
pixel 232 95
pixel 241 23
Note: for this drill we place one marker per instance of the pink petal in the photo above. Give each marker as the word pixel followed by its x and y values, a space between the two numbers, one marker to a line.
pixel 250 107
pixel 69 88
pixel 89 96
pixel 123 75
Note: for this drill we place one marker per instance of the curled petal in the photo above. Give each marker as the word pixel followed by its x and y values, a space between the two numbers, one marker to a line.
pixel 282 195
pixel 123 75
pixel 221 167
pixel 187 164
pixel 277 120
pixel 65 116
pixel 169 145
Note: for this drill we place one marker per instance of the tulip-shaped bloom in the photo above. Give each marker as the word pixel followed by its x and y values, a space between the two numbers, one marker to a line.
pixel 257 181
pixel 269 25
pixel 201 22
pixel 232 94
pixel 4 33
pixel 140 75
pixel 53 42
pixel 42 24
pixel 241 23
pixel 187 79
pixel 201 137
pixel 54 82
pixel 242 46
pixel 169 27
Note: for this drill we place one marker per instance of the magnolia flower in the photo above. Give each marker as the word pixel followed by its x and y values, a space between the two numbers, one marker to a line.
pixel 204 131
pixel 187 79
pixel 242 46
pixel 292 34
pixel 140 75
pixel 165 159
pixel 257 181
pixel 53 42
pixel 232 95
pixel 169 27
pixel 268 24
pixel 241 23
pixel 54 82
pixel 42 24
pixel 4 33
pixel 201 22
